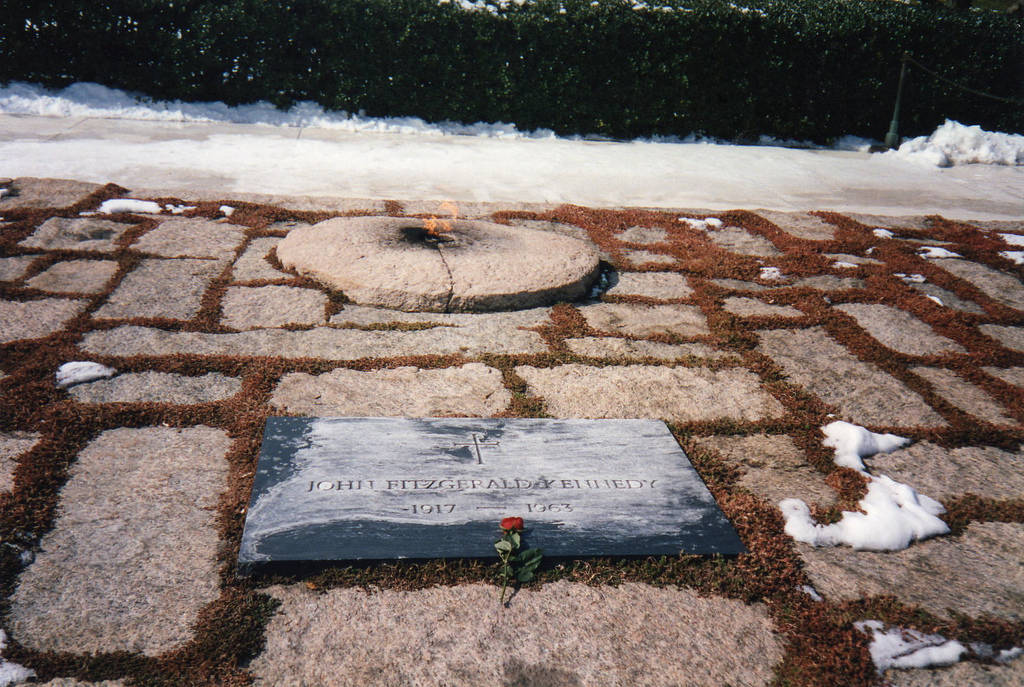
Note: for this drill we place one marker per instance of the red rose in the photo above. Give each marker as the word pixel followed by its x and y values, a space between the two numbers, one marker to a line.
pixel 512 524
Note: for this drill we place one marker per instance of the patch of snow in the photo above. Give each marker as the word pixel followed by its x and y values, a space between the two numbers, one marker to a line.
pixel 1007 655
pixel 706 224
pixel 911 278
pixel 811 592
pixel 956 144
pixel 178 209
pixel 1013 239
pixel 109 207
pixel 854 143
pixel 3 192
pixel 894 513
pixel 226 210
pixel 905 648
pixel 936 253
pixel 12 673
pixel 882 233
pixel 843 264
pixel 1017 256
pixel 771 274
pixel 936 299
pixel 78 372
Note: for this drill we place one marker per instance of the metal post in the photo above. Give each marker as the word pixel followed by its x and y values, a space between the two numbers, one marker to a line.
pixel 892 139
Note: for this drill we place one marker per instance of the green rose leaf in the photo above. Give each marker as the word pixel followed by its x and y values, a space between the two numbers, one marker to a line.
pixel 503 546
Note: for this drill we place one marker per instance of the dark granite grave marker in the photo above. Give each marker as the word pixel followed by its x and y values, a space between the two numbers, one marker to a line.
pixel 362 489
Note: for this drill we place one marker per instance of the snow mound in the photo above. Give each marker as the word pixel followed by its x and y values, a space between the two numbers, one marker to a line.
pixel 1017 256
pixel 852 442
pixel 78 372
pixel 954 143
pixel 706 224
pixel 771 274
pixel 109 207
pixel 12 673
pixel 903 648
pixel 882 233
pixel 936 253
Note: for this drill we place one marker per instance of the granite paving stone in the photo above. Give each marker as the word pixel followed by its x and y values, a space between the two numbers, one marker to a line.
pixel 132 556
pixel 1011 337
pixel 12 445
pixel 663 285
pixel 323 342
pixel 863 393
pixel 962 674
pixel 75 276
pixel 36 319
pixel 773 467
pixel 853 259
pixel 739 285
pixel 557 227
pixel 472 390
pixel 964 395
pixel 976 573
pixel 561 634
pixel 948 298
pixel 162 288
pixel 252 265
pixel 639 258
pixel 999 286
pixel 87 233
pixel 827 282
pixel 157 387
pixel 899 330
pixel 945 473
pixel 677 394
pixel 367 316
pixel 802 225
pixel 614 347
pixel 13 269
pixel 752 307
pixel 191 238
pixel 915 222
pixel 31 193
pixel 71 682
pixel 645 320
pixel 1010 375
pixel 742 242
pixel 643 235
pixel 250 307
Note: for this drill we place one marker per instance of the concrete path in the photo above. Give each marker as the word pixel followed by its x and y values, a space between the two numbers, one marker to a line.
pixel 123 498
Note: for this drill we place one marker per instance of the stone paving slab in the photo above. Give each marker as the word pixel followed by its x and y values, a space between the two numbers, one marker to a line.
pixel 899 330
pixel 801 225
pixel 1010 375
pixel 252 265
pixel 91 234
pixel 12 445
pixel 643 235
pixel 853 259
pixel 472 390
pixel 13 269
pixel 645 320
pixel 947 473
pixel 663 285
pixel 36 319
pixel 640 258
pixel 191 238
pixel 30 193
pixel 948 298
pixel 677 394
pixel 863 393
pixel 961 675
pixel 75 276
pixel 364 316
pixel 560 634
pixel 827 282
pixel 964 395
pixel 1011 337
pixel 612 347
pixel 132 557
pixel 742 242
pixel 752 307
pixel 323 342
pixel 161 288
pixel 254 307
pixel 999 286
pixel 157 387
pixel 976 573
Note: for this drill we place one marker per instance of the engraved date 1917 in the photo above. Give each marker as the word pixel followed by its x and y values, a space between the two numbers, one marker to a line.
pixel 431 508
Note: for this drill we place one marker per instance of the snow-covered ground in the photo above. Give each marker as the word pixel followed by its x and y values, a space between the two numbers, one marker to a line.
pixel 197 150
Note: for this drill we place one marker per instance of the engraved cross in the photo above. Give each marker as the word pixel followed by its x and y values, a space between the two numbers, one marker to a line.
pixel 479 441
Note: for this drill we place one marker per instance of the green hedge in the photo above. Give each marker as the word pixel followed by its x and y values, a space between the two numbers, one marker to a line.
pixel 809 69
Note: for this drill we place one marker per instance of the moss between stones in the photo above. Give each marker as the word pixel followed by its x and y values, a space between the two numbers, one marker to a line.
pixel 823 648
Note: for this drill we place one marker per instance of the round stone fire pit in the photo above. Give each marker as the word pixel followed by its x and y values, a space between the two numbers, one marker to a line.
pixel 394 262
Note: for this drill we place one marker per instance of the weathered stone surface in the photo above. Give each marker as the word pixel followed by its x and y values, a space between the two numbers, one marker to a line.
pixel 157 387
pixel 13 269
pixel 473 390
pixel 132 557
pixel 364 316
pixel 976 573
pixel 252 265
pixel 613 347
pixel 948 298
pixel 12 445
pixel 191 238
pixel 478 266
pixel 916 222
pixel 899 330
pixel 643 235
pixel 752 307
pixel 35 319
pixel 32 193
pixel 964 395
pixel 644 320
pixel 827 282
pixel 961 675
pixel 323 342
pixel 802 225
pixel 639 258
pixel 863 393
pixel 944 473
pixel 162 288
pixel 853 259
pixel 999 286
pixel 664 285
pixel 557 227
pixel 1010 375
pixel 75 276
pixel 742 242
pixel 87 233
pixel 773 467
pixel 562 633
pixel 249 307
pixel 1011 337
pixel 677 394
pixel 738 285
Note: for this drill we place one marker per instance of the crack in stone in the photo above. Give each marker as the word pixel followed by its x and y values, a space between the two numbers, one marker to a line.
pixel 451 280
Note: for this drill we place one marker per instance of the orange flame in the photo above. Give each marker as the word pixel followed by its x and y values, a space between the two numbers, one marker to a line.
pixel 435 226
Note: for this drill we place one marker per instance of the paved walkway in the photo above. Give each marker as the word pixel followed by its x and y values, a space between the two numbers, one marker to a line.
pixel 123 498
